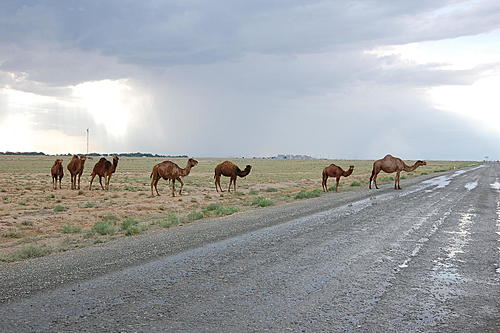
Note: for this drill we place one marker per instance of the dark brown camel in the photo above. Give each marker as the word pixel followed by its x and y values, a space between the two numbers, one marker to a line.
pixel 104 168
pixel 390 164
pixel 336 172
pixel 170 171
pixel 57 172
pixel 75 168
pixel 229 169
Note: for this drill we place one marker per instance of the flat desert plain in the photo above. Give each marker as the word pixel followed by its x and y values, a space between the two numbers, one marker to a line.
pixel 36 220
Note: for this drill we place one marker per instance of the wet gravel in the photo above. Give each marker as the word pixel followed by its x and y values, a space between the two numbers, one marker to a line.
pixel 424 259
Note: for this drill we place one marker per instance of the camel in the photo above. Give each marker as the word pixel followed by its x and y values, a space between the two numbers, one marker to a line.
pixel 336 172
pixel 104 168
pixel 229 169
pixel 57 172
pixel 75 168
pixel 390 164
pixel 170 171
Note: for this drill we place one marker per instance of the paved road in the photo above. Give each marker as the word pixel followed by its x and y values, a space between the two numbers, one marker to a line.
pixel 424 259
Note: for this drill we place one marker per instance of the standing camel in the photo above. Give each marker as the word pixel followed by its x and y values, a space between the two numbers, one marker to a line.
pixel 229 169
pixel 75 168
pixel 104 168
pixel 390 164
pixel 336 172
pixel 170 171
pixel 57 172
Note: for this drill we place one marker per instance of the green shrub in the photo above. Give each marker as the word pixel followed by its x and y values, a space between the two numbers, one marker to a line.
pixel 88 205
pixel 193 216
pixel 128 223
pixel 13 234
pixel 70 229
pixel 103 228
pixel 109 218
pixel 221 211
pixel 356 183
pixel 80 192
pixel 58 208
pixel 131 188
pixel 308 194
pixel 133 230
pixel 403 177
pixel 262 202
pixel 210 208
pixel 29 251
pixel 271 189
pixel 424 173
pixel 169 221
pixel 253 192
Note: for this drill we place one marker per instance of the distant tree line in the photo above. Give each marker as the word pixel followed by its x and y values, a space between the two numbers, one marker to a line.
pixel 138 154
pixel 22 153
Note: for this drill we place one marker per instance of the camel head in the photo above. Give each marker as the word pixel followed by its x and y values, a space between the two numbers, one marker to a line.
pixel 115 158
pixel 420 163
pixel 83 158
pixel 192 162
pixel 351 167
pixel 245 171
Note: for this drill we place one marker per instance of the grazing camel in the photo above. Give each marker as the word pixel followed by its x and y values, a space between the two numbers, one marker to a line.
pixel 57 172
pixel 229 169
pixel 170 171
pixel 390 164
pixel 75 168
pixel 104 168
pixel 336 172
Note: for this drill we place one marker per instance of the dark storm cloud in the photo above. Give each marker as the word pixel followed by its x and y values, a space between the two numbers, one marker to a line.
pixel 232 78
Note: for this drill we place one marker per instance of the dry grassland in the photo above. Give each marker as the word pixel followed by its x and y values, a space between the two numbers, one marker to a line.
pixel 36 220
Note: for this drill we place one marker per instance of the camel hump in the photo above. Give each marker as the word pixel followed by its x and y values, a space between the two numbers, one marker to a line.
pixel 388 156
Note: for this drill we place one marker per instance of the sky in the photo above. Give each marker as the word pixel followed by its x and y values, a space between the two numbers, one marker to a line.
pixel 234 78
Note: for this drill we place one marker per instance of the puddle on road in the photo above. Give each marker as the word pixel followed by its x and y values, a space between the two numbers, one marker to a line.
pixel 443 181
pixel 446 272
pixel 471 186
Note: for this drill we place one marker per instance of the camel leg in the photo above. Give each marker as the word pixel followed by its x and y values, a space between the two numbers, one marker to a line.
pixel 324 183
pixel 156 186
pixel 217 182
pixel 79 181
pixel 60 180
pixel 92 176
pixel 182 185
pixel 396 184
pixel 152 184
pixel 173 187
pixel 234 183
pixel 73 182
pixel 337 185
pixel 107 180
pixel 100 182
pixel 375 180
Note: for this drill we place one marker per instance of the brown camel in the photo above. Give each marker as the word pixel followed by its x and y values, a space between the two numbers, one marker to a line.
pixel 75 168
pixel 229 169
pixel 336 172
pixel 57 172
pixel 170 171
pixel 390 164
pixel 104 168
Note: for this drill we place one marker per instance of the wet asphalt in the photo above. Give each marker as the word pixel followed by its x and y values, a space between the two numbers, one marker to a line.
pixel 424 259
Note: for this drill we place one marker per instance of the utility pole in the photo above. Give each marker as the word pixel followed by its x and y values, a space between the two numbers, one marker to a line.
pixel 87 141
